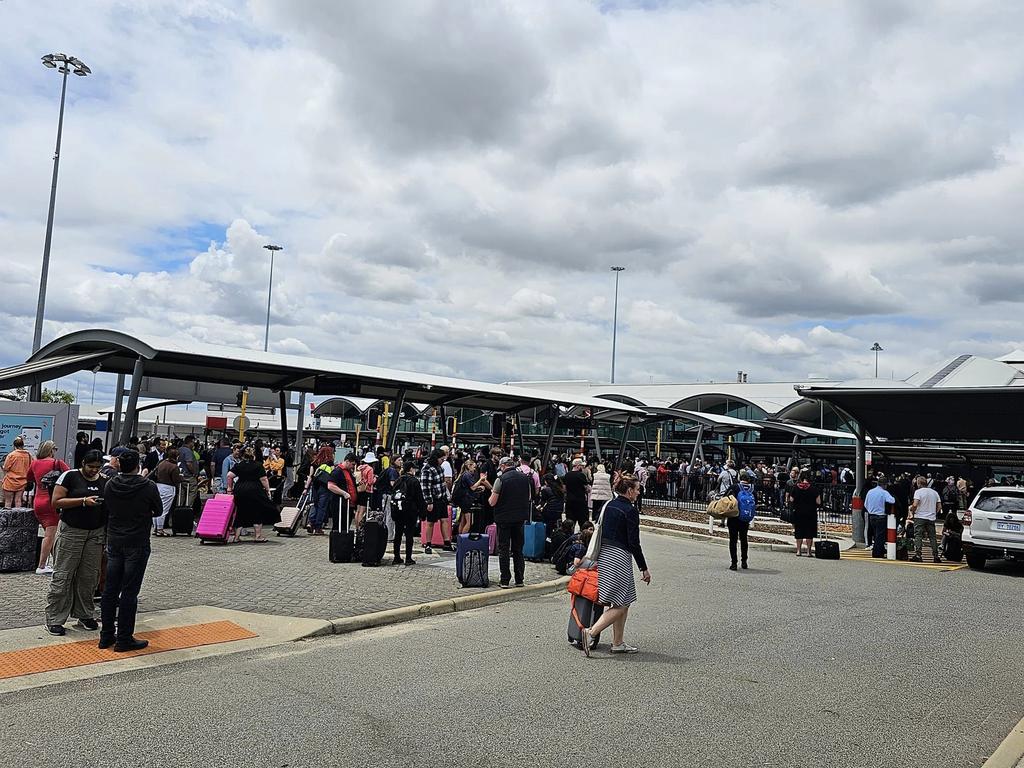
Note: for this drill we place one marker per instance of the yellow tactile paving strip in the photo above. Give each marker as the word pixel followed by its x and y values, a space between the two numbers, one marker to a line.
pixel 865 555
pixel 47 658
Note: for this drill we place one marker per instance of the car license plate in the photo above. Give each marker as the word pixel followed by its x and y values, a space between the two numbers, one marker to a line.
pixel 1015 527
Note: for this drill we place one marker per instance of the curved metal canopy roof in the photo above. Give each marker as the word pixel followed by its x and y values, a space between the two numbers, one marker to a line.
pixel 224 369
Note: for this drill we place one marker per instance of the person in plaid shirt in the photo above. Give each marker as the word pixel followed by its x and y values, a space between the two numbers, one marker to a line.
pixel 435 494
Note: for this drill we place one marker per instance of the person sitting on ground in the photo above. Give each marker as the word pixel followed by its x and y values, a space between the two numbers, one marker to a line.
pixel 254 508
pixel 561 534
pixel 16 467
pixel 131 502
pixel 45 463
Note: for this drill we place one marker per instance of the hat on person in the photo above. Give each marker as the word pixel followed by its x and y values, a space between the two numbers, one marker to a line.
pixel 577 462
pixel 506 461
pixel 369 458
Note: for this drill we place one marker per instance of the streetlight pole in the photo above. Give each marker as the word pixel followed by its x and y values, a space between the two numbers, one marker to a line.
pixel 270 289
pixel 876 349
pixel 64 64
pixel 615 317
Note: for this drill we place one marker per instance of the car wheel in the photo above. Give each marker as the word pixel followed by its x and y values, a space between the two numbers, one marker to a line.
pixel 976 561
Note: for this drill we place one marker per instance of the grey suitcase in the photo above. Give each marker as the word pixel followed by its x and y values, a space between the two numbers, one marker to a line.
pixel 583 611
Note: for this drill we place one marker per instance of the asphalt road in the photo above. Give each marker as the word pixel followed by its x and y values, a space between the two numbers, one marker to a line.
pixel 793 663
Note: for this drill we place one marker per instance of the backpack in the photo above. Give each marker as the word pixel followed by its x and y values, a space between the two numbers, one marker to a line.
pixel 363 484
pixel 563 555
pixel 474 569
pixel 746 503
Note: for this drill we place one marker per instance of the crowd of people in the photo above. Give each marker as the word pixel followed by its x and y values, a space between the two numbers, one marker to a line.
pixel 102 508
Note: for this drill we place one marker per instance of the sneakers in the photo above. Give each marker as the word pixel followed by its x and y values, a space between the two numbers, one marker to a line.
pixel 89 624
pixel 427 550
pixel 625 648
pixel 505 585
pixel 55 629
pixel 122 646
pixel 585 640
pixel 46 570
pixel 520 584
pixel 732 567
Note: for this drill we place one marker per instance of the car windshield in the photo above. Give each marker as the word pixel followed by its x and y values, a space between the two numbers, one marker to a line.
pixel 1009 503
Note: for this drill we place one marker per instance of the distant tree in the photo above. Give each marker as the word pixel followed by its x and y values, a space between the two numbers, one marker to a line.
pixel 58 396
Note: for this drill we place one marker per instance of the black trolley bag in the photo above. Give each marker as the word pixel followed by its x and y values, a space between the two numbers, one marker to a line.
pixel 583 613
pixel 342 543
pixel 375 539
pixel 826 549
pixel 182 517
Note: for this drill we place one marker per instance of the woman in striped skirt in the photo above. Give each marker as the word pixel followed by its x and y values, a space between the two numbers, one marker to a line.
pixel 620 545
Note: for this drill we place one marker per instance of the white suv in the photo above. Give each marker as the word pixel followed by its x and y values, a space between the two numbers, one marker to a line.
pixel 994 526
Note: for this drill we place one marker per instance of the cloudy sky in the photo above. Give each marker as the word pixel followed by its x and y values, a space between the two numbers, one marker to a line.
pixel 786 182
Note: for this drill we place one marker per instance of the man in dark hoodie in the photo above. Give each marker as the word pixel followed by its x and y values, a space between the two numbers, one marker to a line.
pixel 131 502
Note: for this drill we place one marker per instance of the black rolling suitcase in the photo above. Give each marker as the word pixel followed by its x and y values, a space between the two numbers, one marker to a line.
pixel 583 613
pixel 342 542
pixel 182 516
pixel 375 543
pixel 825 549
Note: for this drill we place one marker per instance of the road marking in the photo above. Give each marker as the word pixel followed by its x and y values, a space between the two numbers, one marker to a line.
pixel 865 556
pixel 47 658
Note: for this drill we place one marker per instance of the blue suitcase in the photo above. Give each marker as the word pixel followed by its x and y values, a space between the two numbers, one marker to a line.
pixel 466 543
pixel 534 541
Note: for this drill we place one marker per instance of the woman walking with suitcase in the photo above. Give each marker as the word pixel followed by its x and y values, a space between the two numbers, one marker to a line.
pixel 619 547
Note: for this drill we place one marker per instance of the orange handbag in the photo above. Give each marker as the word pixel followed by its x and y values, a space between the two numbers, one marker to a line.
pixel 584 583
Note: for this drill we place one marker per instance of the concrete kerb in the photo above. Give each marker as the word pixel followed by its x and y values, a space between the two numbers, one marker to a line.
pixel 681 534
pixel 439 607
pixel 1009 754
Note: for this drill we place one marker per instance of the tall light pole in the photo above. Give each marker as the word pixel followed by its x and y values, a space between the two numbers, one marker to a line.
pixel 64 64
pixel 615 317
pixel 876 349
pixel 270 290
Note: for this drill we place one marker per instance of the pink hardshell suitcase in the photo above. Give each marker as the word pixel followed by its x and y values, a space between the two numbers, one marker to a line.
pixel 438 539
pixel 216 520
pixel 492 533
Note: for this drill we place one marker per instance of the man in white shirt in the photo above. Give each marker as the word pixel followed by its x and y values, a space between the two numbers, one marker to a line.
pixel 923 511
pixel 446 469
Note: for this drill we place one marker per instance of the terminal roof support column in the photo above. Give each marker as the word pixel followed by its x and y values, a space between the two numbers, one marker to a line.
pixel 283 403
pixel 551 436
pixel 389 438
pixel 299 426
pixel 597 444
pixel 133 401
pixel 443 415
pixel 622 443
pixel 858 509
pixel 114 421
pixel 792 456
pixel 519 434
pixel 647 444
pixel 697 443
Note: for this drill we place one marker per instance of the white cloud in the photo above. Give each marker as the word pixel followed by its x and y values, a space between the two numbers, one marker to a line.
pixel 451 186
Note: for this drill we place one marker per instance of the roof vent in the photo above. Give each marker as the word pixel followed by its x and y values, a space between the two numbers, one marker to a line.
pixel 946 371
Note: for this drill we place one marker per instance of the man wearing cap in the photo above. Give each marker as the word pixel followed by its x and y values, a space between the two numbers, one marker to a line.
pixel 576 490
pixel 511 498
pixel 878 503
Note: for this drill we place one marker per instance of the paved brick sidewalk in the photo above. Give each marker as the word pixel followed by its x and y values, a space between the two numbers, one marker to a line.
pixel 285 577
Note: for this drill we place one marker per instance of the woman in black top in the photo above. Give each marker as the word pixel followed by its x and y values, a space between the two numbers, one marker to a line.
pixel 620 546
pixel 254 508
pixel 806 500
pixel 407 509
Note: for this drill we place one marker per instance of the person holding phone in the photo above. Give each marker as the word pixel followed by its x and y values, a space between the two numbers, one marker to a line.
pixel 470 489
pixel 78 498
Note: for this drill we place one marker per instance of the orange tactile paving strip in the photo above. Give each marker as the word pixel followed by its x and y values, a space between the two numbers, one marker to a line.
pixel 47 658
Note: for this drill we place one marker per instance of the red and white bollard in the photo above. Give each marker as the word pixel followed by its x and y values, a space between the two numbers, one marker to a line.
pixel 890 537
